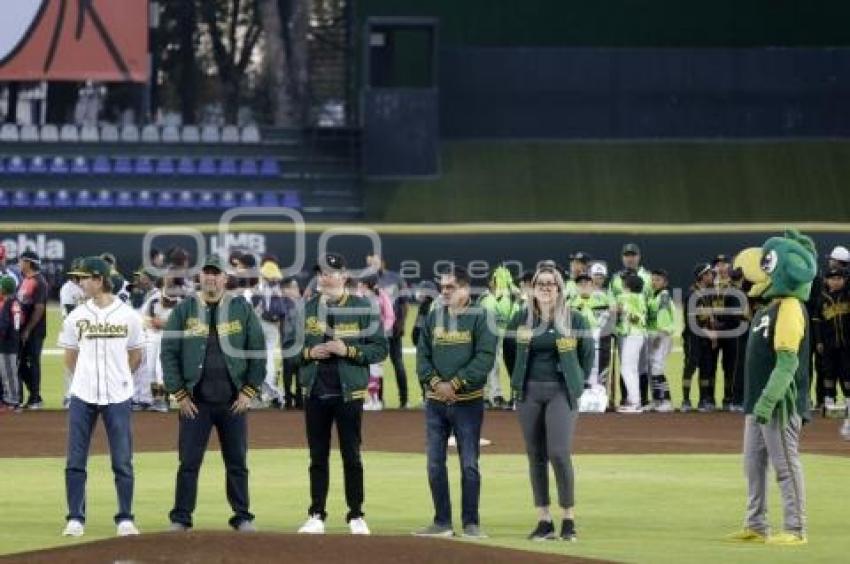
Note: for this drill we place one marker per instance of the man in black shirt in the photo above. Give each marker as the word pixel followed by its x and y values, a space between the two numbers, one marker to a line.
pixel 32 294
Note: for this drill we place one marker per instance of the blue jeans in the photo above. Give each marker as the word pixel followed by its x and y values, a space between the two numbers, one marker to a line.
pixel 464 421
pixel 82 417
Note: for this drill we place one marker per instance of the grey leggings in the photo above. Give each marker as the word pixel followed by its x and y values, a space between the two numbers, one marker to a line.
pixel 548 424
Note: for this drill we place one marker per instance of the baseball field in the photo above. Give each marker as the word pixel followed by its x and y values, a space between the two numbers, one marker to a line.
pixel 650 488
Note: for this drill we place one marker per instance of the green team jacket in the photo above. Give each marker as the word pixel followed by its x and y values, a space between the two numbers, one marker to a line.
pixel 596 307
pixel 354 320
pixel 661 313
pixel 617 283
pixel 631 319
pixel 576 353
pixel 240 330
pixel 458 348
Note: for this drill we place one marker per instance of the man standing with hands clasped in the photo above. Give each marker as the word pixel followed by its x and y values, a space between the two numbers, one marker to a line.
pixel 213 362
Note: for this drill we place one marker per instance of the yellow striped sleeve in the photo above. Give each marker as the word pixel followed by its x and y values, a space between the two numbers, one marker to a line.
pixel 790 325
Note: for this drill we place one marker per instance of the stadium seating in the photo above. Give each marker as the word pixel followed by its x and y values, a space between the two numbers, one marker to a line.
pixel 229 134
pixel 248 167
pixel 186 199
pixel 59 165
pixel 9 133
pixel 145 199
pixel 109 133
pixel 269 167
pixel 190 134
pixel 143 166
pixel 80 165
pixel 29 134
pixel 63 199
pixel 21 199
pixel 122 165
pixel 89 134
pixel 165 199
pixel 227 167
pixel 101 165
pixel 69 134
pixel 49 133
pixel 207 200
pixel 130 134
pixel 124 199
pixel 104 199
pixel 84 199
pixel 150 134
pixel 186 166
pixel 37 165
pixel 250 134
pixel 4 199
pixel 16 165
pixel 207 166
pixel 165 166
pixel 41 199
pixel 210 134
pixel 227 200
pixel 170 134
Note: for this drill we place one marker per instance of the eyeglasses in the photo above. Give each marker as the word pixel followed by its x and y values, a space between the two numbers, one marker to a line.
pixel 545 285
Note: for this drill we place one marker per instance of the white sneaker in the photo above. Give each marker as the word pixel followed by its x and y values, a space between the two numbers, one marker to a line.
pixel 126 528
pixel 628 408
pixel 359 527
pixel 452 441
pixel 484 442
pixel 74 528
pixel 313 526
pixel 664 407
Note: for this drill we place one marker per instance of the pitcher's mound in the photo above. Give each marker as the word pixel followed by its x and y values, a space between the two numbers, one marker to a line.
pixel 214 547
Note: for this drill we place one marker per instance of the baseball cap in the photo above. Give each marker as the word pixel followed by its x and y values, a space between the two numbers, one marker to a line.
pixel 7 285
pixel 109 257
pixel 213 261
pixel 840 253
pixel 701 269
pixel 332 261
pixel 30 256
pixel 833 272
pixel 580 256
pixel 92 266
pixel 598 269
pixel 630 249
pixel 720 258
pixel 661 272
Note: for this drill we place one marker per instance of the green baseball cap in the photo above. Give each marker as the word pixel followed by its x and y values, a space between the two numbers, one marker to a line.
pixel 7 285
pixel 630 249
pixel 214 261
pixel 91 266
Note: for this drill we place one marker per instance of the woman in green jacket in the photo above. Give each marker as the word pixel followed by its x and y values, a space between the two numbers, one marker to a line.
pixel 554 354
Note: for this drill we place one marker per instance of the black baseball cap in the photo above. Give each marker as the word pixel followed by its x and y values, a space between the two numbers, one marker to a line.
pixel 701 269
pixel 630 249
pixel 720 258
pixel 580 256
pixel 836 273
pixel 30 256
pixel 332 261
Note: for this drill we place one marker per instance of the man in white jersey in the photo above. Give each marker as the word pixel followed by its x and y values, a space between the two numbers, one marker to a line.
pixel 103 341
pixel 70 296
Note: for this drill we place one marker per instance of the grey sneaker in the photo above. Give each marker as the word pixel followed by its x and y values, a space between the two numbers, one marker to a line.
pixel 435 530
pixel 473 531
pixel 246 527
pixel 178 528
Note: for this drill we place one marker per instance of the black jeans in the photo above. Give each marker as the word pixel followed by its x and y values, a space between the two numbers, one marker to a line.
pixel 320 415
pixel 232 432
pixel 397 358
pixel 29 369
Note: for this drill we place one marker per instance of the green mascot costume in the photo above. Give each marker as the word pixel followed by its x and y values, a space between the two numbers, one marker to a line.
pixel 776 382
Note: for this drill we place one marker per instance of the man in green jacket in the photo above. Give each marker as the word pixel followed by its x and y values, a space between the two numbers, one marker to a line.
pixel 342 337
pixel 213 362
pixel 455 353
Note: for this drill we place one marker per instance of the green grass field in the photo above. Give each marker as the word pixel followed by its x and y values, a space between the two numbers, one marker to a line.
pixel 635 508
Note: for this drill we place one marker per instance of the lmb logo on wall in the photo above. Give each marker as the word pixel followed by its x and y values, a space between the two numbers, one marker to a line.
pixel 104 40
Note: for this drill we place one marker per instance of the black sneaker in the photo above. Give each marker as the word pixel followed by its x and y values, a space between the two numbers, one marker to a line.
pixel 568 530
pixel 34 403
pixel 544 531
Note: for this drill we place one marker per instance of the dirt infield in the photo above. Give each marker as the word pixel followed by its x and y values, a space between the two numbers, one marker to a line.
pixel 213 547
pixel 43 433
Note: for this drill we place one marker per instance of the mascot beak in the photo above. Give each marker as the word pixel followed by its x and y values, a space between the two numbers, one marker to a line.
pixel 749 261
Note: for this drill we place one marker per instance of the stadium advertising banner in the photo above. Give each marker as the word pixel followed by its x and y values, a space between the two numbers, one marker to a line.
pixel 102 40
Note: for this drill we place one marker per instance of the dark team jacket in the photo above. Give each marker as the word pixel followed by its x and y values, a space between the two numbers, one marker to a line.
pixel 457 348
pixel 357 323
pixel 182 357
pixel 576 351
pixel 703 318
pixel 831 319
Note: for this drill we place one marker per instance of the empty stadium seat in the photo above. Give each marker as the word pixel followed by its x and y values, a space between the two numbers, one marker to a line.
pixel 269 200
pixel 227 200
pixel 41 199
pixel 210 134
pixel 49 133
pixel 101 165
pixel 63 199
pixel 29 133
pixel 227 167
pixel 207 166
pixel 104 199
pixel 84 199
pixel 122 165
pixel 124 199
pixel 190 134
pixel 20 199
pixel 4 199
pixel 230 134
pixel 269 167
pixel 109 133
pixel 80 165
pixel 165 166
pixel 59 165
pixel 250 134
pixel 206 200
pixel 291 200
pixel 186 199
pixel 89 134
pixel 2 165
pixel 9 133
pixel 248 167
pixel 69 133
pixel 150 134
pixel 170 134
pixel 248 199
pixel 130 134
pixel 16 165
pixel 144 165
pixel 186 166
pixel 37 165
pixel 165 199
pixel 145 199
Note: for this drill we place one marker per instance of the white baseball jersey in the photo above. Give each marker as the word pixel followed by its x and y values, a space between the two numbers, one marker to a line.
pixel 71 294
pixel 102 336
